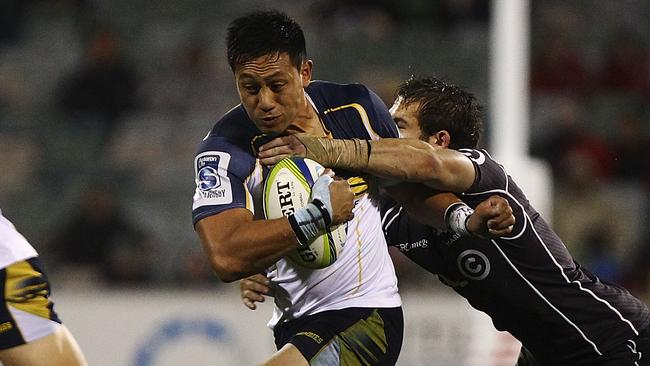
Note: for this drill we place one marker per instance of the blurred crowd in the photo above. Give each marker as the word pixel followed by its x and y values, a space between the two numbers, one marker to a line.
pixel 103 102
pixel 590 84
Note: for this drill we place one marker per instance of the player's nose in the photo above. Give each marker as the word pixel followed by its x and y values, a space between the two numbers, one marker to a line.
pixel 267 100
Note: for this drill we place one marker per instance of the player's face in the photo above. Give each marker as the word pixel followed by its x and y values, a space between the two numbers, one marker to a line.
pixel 271 89
pixel 406 118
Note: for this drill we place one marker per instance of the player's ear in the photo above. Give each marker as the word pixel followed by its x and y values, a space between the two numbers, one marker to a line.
pixel 305 72
pixel 445 138
pixel 441 138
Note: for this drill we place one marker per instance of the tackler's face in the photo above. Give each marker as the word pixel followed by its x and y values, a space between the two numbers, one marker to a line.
pixel 406 118
pixel 271 89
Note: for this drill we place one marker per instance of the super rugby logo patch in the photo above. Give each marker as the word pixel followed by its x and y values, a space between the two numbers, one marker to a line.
pixel 208 178
pixel 212 183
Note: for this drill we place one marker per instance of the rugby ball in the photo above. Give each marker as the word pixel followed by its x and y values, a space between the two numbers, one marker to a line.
pixel 287 188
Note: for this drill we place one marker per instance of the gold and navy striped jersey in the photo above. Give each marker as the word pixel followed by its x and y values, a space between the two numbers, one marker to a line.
pixel 527 282
pixel 226 157
pixel 228 175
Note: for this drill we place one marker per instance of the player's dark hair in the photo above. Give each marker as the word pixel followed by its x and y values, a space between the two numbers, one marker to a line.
pixel 264 33
pixel 444 106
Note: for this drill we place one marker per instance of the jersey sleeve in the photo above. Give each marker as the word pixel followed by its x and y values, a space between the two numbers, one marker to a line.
pixel 490 175
pixel 380 119
pixel 411 238
pixel 220 172
pixel 492 179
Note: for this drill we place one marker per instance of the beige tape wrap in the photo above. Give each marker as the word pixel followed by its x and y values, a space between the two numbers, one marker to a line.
pixel 334 153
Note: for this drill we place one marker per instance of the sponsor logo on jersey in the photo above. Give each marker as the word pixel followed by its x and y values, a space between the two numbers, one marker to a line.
pixel 208 178
pixel 406 247
pixel 473 264
pixel 212 183
pixel 318 339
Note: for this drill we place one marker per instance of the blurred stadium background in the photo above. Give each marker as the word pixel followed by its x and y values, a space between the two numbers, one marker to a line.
pixel 102 104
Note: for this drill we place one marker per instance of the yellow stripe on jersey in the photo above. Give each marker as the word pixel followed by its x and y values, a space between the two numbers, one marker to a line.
pixel 358 185
pixel 364 117
pixel 357 232
pixel 249 203
pixel 26 289
pixel 253 149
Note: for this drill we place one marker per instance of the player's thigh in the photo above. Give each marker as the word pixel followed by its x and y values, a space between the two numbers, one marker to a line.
pixel 287 355
pixel 57 349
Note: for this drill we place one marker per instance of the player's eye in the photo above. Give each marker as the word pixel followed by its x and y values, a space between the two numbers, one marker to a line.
pixel 276 87
pixel 251 89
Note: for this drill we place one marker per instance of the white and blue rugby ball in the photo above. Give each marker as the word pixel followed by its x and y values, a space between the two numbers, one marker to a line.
pixel 287 188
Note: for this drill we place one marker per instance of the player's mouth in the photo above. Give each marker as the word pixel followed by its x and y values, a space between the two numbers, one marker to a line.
pixel 270 119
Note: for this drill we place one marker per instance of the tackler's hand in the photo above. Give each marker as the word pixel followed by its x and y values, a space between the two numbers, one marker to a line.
pixel 279 148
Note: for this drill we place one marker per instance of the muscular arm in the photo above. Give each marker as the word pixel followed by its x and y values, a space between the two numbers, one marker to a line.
pixel 238 246
pixel 422 204
pixel 411 160
pixel 491 218
pixel 406 160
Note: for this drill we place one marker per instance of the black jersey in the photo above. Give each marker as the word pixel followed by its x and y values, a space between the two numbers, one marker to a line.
pixel 528 283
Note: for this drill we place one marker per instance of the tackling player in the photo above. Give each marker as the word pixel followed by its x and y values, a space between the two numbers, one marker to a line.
pixel 527 281
pixel 31 333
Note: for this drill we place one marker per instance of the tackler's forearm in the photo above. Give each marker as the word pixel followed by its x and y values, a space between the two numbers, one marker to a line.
pixel 334 153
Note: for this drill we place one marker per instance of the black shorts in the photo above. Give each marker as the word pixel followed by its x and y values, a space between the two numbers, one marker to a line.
pixel 634 352
pixel 347 337
pixel 26 313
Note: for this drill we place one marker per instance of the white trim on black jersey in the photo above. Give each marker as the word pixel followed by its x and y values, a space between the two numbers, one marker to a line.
pixel 528 219
pixel 632 348
pixel 545 299
pixel 385 225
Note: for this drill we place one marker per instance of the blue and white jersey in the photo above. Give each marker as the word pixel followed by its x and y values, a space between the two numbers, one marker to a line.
pixel 228 176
